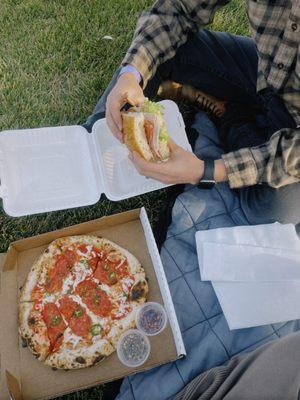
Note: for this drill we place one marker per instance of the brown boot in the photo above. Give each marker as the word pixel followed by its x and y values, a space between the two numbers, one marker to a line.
pixel 175 91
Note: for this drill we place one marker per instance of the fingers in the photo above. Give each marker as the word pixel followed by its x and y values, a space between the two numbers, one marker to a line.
pixel 173 145
pixel 144 167
pixel 113 125
pixel 151 169
pixel 113 116
pixel 136 101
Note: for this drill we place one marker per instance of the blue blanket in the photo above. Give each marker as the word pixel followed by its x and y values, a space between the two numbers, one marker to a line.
pixel 206 335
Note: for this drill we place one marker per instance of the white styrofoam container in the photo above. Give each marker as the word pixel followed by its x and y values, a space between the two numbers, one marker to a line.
pixel 54 168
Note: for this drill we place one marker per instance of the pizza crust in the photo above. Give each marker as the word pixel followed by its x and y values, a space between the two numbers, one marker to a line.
pixel 80 355
pixel 33 331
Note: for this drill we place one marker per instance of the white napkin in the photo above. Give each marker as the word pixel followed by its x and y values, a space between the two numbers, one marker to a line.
pixel 255 271
pixel 269 252
pixel 248 304
pixel 228 262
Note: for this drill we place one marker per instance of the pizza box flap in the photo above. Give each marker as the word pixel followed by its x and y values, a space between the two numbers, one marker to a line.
pixel 9 351
pixel 127 230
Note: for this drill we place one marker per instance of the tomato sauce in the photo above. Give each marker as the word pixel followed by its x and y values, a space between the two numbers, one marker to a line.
pixel 95 299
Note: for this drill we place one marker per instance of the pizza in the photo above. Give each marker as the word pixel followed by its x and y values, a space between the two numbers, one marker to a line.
pixel 80 295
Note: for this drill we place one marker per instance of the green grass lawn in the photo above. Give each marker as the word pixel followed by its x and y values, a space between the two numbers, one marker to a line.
pixel 54 65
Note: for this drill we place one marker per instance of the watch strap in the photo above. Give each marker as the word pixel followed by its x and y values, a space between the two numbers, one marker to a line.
pixel 207 180
pixel 209 171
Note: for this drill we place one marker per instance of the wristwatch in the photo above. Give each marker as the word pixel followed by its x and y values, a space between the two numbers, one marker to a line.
pixel 207 181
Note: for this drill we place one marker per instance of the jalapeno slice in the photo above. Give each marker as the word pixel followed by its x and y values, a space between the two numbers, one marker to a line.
pixel 105 267
pixel 55 320
pixel 96 329
pixel 112 277
pixel 78 313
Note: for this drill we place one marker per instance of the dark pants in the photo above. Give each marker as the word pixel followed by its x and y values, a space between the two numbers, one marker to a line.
pixel 225 66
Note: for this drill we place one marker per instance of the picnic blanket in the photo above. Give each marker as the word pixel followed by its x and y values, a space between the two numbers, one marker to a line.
pixel 206 335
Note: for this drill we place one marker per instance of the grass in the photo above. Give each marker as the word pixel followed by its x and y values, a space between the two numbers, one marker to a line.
pixel 54 65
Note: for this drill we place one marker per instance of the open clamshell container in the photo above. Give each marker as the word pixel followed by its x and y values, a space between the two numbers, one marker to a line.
pixel 55 168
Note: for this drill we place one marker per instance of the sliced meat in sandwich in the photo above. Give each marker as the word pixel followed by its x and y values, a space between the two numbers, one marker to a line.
pixel 145 131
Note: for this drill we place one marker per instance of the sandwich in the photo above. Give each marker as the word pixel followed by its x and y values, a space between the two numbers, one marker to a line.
pixel 145 131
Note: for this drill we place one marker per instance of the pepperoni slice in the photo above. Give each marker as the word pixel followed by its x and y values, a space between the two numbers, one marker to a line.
pixel 109 272
pixel 67 307
pixel 58 273
pixel 93 261
pixel 71 256
pixel 122 270
pixel 95 299
pixel 79 322
pixel 82 248
pixel 105 274
pixel 55 325
pixel 37 293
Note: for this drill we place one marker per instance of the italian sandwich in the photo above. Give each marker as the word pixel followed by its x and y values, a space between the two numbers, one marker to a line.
pixel 145 131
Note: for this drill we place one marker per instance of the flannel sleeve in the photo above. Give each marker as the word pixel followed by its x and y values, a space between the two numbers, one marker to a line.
pixel 276 162
pixel 163 28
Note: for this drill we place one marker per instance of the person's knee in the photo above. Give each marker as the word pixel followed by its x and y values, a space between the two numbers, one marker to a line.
pixel 263 204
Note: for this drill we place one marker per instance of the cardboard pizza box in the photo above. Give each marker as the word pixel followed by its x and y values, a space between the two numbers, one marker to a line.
pixel 25 378
pixel 55 168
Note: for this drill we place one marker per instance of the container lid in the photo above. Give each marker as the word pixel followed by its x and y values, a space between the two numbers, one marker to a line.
pixel 121 179
pixel 133 348
pixel 151 318
pixel 47 169
pixel 55 168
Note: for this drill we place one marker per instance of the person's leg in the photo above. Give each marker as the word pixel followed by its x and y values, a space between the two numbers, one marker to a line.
pixel 262 204
pixel 269 372
pixel 219 63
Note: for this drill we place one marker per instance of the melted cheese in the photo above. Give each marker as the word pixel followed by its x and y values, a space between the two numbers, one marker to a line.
pixel 70 337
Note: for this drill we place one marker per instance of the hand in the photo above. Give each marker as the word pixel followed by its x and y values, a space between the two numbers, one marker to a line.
pixel 182 167
pixel 126 90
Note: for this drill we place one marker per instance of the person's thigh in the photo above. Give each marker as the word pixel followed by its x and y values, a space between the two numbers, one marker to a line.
pixel 263 204
pixel 219 63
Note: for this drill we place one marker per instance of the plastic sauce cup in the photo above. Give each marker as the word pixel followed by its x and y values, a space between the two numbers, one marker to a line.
pixel 151 318
pixel 133 348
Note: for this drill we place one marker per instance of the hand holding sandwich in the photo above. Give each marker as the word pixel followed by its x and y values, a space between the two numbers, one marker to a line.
pixel 182 166
pixel 126 90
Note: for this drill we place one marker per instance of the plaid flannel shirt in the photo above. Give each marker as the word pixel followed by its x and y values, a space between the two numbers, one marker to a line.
pixel 275 28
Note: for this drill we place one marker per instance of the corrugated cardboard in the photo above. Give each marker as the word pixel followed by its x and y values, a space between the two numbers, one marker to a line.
pixel 19 369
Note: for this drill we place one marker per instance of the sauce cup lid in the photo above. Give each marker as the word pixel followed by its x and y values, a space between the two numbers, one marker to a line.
pixel 133 348
pixel 151 318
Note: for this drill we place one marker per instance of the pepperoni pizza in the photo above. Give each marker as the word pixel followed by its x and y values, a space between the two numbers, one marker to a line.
pixel 79 297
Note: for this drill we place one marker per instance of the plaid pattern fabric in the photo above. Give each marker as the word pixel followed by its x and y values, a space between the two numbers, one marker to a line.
pixel 275 28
